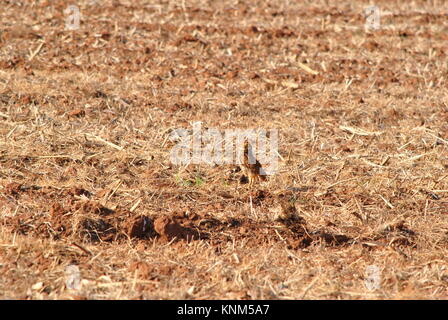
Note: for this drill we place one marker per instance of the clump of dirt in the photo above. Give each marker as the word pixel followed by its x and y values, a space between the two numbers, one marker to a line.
pixel 259 196
pixel 76 113
pixel 76 191
pixel 85 220
pixel 289 215
pixel 13 188
pixel 93 230
pixel 168 229
pixel 331 239
pixel 145 270
pixel 141 227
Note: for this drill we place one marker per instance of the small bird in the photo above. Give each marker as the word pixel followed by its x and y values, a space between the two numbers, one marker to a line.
pixel 251 167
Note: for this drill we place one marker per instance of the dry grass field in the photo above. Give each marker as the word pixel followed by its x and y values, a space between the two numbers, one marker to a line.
pixel 85 171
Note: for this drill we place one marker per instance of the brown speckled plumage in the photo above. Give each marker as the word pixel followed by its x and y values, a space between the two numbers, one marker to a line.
pixel 251 170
